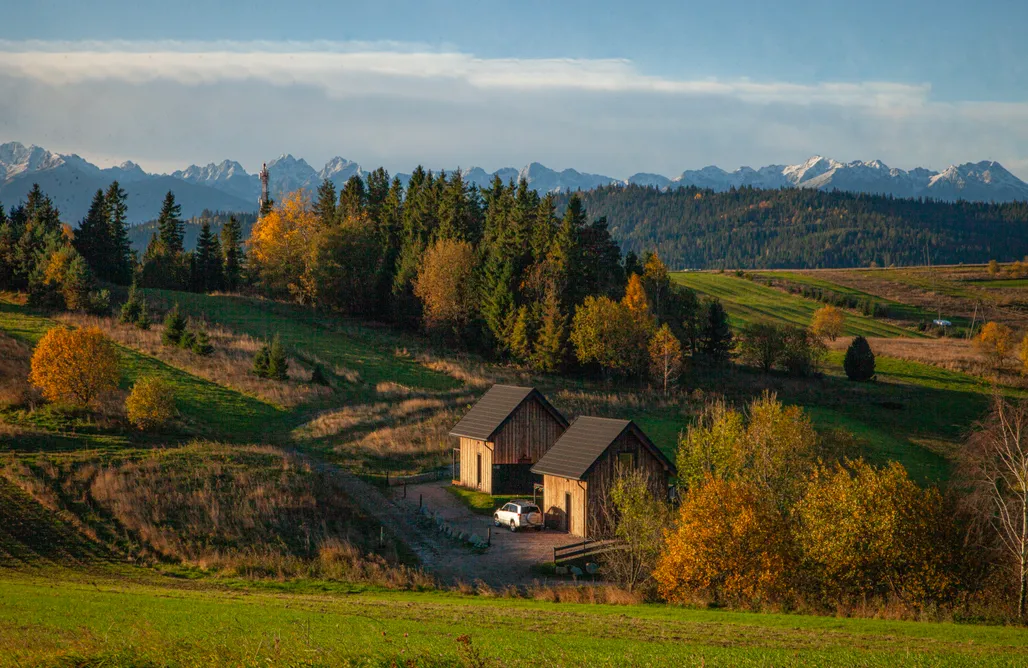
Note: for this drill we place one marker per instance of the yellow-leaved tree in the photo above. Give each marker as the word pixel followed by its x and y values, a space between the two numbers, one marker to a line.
pixel 282 248
pixel 828 322
pixel 75 365
pixel 665 357
pixel 995 342
pixel 731 544
pixel 151 404
pixel 636 301
pixel 611 335
pixel 445 287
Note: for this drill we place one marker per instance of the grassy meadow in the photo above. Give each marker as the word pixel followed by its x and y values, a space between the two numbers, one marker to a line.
pixel 136 620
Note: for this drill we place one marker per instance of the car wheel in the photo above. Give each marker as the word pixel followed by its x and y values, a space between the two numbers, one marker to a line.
pixel 513 527
pixel 496 521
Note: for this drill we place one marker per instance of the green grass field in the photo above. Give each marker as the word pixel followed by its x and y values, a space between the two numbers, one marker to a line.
pixel 747 302
pixel 89 619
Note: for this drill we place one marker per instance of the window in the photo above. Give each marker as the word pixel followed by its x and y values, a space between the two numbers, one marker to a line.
pixel 509 508
pixel 626 460
pixel 529 509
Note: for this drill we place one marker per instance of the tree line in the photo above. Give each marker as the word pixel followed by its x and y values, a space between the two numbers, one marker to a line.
pixel 804 228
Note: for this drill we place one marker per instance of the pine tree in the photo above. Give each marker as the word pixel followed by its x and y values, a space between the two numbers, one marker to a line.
pixel 130 310
pixel 207 266
pixel 859 362
pixel 522 335
pixel 174 327
pixel 325 208
pixel 170 229
pixel 498 303
pixel 202 345
pixel 232 254
pixel 353 199
pixel 78 281
pixel 143 319
pixel 551 345
pixel 261 361
pixel 91 237
pixel 278 364
pixel 716 336
pixel 118 250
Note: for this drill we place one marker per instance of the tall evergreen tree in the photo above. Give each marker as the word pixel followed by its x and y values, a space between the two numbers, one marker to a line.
pixel 119 250
pixel 353 199
pixel 325 208
pixel 169 227
pixel 716 336
pixel 232 254
pixel 91 239
pixel 207 263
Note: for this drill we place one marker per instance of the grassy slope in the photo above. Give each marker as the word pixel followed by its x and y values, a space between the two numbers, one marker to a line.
pixel 114 623
pixel 208 409
pixel 748 302
pixel 369 352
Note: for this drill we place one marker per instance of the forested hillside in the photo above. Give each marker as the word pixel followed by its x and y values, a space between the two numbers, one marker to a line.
pixel 797 228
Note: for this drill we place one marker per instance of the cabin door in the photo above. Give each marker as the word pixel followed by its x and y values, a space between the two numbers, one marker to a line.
pixel 567 511
pixel 478 470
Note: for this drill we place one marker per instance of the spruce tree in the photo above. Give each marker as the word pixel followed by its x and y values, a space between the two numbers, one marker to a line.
pixel 278 364
pixel 716 336
pixel 353 199
pixel 232 254
pixel 261 361
pixel 202 345
pixel 118 249
pixel 859 362
pixel 143 319
pixel 78 281
pixel 170 229
pixel 207 264
pixel 325 207
pixel 551 345
pixel 174 327
pixel 130 310
pixel 93 233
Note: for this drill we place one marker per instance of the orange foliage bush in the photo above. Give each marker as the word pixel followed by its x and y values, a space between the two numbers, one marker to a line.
pixel 730 545
pixel 282 248
pixel 75 365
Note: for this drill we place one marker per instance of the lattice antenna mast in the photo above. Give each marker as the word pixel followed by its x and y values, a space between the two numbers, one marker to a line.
pixel 265 201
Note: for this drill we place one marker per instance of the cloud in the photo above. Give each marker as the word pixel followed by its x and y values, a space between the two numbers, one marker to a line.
pixel 169 104
pixel 342 69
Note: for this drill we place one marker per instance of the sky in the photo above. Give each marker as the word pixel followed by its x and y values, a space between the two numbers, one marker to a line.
pixel 613 88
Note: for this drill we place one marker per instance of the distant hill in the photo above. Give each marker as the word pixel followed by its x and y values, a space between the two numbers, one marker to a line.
pixel 139 235
pixel 803 228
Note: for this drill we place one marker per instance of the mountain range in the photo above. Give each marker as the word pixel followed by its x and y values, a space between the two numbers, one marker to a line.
pixel 71 180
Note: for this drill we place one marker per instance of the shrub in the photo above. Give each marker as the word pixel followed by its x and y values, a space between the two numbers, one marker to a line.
pixel 827 322
pixel 762 344
pixel 859 362
pixel 99 302
pixel 278 365
pixel 803 352
pixel 142 320
pixel 132 307
pixel 187 340
pixel 75 365
pixel 730 545
pixel 202 345
pixel 261 361
pixel 995 342
pixel 174 327
pixel 151 404
pixel 318 376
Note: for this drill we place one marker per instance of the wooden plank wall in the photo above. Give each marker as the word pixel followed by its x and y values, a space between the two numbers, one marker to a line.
pixel 469 448
pixel 527 435
pixel 554 489
pixel 603 472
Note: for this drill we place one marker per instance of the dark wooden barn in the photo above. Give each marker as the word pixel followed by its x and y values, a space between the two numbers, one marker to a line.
pixel 580 467
pixel 503 435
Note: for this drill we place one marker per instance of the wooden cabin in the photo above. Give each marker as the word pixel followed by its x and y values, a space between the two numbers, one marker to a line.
pixel 580 467
pixel 503 435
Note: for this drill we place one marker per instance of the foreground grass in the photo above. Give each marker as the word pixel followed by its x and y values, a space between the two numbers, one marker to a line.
pixel 748 302
pixel 98 620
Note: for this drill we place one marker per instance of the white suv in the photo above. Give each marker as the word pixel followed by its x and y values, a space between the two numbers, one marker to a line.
pixel 519 514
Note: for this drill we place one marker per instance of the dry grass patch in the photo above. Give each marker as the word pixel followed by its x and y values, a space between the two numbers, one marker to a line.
pixel 947 353
pixel 230 365
pixel 15 363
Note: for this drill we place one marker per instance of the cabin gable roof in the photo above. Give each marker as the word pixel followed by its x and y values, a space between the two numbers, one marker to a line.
pixel 584 443
pixel 495 408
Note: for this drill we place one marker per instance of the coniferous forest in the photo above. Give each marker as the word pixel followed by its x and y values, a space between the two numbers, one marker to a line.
pixel 802 228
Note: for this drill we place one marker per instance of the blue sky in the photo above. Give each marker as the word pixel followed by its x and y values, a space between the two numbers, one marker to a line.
pixel 610 87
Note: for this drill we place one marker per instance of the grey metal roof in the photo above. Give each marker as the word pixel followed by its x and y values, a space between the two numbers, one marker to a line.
pixel 487 416
pixel 584 442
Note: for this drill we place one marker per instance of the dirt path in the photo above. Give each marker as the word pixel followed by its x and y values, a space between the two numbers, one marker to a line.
pixel 508 560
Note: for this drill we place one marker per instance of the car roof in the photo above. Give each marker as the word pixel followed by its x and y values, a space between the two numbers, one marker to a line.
pixel 523 502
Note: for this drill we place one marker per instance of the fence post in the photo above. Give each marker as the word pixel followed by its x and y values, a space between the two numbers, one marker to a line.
pixel 387 479
pixel 489 536
pixel 420 500
pixel 405 490
pixel 381 536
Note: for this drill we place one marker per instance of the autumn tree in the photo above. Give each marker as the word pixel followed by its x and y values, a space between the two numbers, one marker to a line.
pixel 866 531
pixel 610 335
pixel 771 445
pixel 995 342
pixel 281 249
pixel 637 518
pixel 151 403
pixel 445 286
pixel 828 322
pixel 729 545
pixel 75 365
pixel 994 467
pixel 636 301
pixel 665 357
